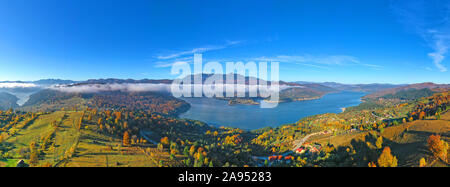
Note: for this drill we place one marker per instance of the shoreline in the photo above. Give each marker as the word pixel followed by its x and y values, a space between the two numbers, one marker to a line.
pixel 249 122
pixel 295 100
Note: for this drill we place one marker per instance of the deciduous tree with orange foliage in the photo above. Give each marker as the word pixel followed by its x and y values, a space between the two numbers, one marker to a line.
pixel 126 138
pixel 438 147
pixel 422 115
pixel 372 165
pixel 165 141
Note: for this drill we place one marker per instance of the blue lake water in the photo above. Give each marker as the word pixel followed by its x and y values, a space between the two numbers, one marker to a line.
pixel 219 113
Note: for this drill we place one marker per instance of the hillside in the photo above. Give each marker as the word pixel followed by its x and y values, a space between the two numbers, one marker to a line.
pixel 142 129
pixel 119 139
pixel 349 138
pixel 299 94
pixel 60 143
pixel 427 85
pixel 290 94
pixel 408 141
pixel 7 101
pixel 53 100
pixel 291 91
pixel 202 77
pixel 320 88
pixel 359 87
pixel 410 94
pixel 48 82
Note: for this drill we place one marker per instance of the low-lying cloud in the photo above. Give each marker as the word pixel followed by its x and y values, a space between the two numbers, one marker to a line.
pixel 17 85
pixel 147 87
pixel 126 87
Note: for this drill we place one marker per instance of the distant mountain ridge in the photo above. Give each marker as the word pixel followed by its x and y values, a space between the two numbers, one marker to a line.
pixel 373 87
pixel 204 77
pixel 53 81
pixel 124 81
pixel 291 91
pixel 44 82
pixel 419 86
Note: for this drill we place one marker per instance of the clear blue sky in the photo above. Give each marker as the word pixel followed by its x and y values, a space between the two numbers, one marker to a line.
pixel 344 41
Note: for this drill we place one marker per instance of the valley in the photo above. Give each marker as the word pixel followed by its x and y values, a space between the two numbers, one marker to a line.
pixel 116 128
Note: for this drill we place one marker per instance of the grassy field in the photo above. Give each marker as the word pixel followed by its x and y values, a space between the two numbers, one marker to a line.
pixel 73 147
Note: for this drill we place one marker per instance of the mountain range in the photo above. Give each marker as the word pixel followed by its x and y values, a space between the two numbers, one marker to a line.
pixel 16 93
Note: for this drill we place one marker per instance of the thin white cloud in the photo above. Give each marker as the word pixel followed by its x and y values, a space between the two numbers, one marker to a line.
pixel 162 64
pixel 441 49
pixel 199 50
pixel 312 65
pixel 196 50
pixel 162 88
pixel 320 62
pixel 430 19
pixel 317 61
pixel 127 87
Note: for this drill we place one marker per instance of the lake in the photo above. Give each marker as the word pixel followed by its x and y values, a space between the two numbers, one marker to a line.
pixel 219 113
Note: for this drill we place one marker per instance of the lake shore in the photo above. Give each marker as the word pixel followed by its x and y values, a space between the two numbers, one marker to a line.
pixel 249 117
pixel 298 99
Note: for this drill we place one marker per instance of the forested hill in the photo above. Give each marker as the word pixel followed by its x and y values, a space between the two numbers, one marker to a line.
pixel 420 86
pixel 7 101
pixel 111 130
pixel 410 94
pixel 53 100
pixel 352 87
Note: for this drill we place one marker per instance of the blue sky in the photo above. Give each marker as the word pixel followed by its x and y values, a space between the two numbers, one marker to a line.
pixel 344 41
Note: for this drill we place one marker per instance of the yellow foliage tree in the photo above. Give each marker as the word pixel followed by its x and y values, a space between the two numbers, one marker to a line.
pixel 386 159
pixel 422 162
pixel 379 142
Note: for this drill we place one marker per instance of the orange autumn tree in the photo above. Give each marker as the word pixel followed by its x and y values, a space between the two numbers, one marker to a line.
pixel 372 165
pixel 422 115
pixel 386 159
pixel 126 139
pixel 438 147
pixel 165 140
